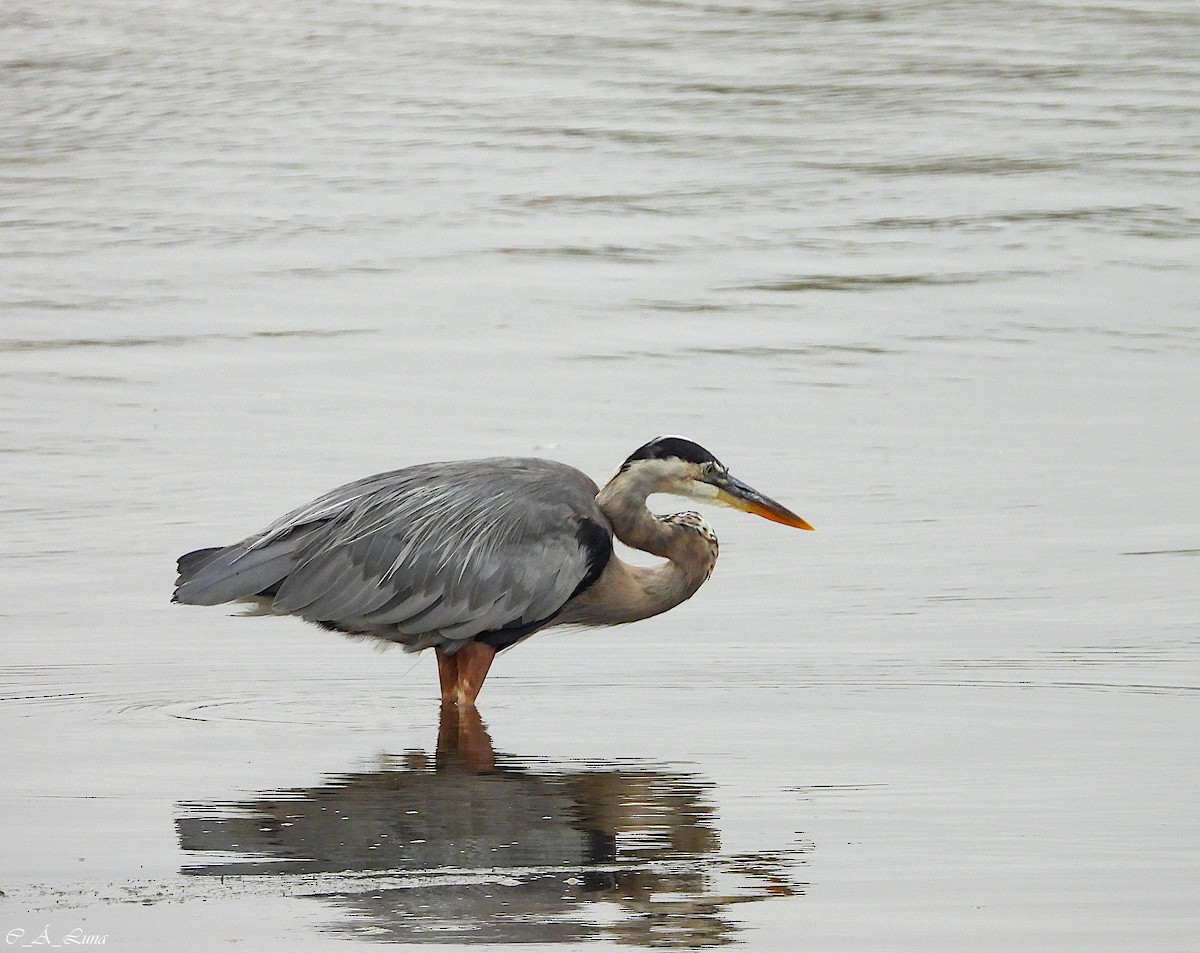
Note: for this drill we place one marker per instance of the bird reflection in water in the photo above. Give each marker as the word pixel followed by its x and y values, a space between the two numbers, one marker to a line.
pixel 471 846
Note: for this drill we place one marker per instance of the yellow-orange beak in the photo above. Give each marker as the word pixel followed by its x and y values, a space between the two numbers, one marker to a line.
pixel 733 492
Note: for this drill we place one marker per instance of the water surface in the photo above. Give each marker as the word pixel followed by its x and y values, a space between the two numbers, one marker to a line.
pixel 926 273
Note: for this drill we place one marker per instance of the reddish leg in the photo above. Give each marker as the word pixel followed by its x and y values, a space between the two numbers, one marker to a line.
pixel 474 660
pixel 447 673
pixel 461 675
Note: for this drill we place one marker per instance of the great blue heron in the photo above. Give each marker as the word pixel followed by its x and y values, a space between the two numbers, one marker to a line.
pixel 471 557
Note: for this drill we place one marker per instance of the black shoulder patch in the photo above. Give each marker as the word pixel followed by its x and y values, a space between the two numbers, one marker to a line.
pixel 660 448
pixel 596 542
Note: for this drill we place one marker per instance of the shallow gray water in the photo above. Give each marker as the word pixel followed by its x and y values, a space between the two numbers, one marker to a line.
pixel 926 272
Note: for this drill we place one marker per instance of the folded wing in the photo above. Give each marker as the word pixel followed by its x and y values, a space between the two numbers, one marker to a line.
pixel 427 555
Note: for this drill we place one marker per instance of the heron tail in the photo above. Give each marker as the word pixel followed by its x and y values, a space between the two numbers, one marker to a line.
pixel 190 562
pixel 209 577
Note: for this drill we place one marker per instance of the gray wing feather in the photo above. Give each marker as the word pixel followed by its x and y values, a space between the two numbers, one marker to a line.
pixel 240 571
pixel 422 555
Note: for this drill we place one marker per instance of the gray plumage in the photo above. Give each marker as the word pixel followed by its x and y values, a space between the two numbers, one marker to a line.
pixel 471 557
pixel 431 554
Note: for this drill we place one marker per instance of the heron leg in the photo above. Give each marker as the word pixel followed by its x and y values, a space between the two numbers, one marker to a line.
pixel 447 673
pixel 474 660
pixel 461 674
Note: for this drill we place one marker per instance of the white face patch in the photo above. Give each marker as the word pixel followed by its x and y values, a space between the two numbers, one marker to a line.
pixel 698 490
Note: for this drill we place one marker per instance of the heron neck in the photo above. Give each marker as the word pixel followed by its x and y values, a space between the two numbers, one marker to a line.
pixel 623 501
pixel 626 593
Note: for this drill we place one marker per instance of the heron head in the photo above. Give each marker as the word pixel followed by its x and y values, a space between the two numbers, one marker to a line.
pixel 681 466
